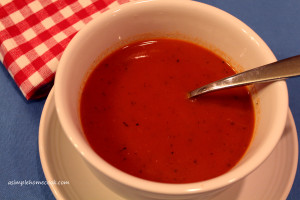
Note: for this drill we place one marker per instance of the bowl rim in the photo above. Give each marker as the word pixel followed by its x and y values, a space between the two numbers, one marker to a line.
pixel 140 184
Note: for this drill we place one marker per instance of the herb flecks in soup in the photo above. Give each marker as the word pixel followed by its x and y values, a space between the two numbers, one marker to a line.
pixel 136 116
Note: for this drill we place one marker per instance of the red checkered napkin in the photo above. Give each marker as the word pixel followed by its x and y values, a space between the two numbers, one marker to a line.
pixel 34 33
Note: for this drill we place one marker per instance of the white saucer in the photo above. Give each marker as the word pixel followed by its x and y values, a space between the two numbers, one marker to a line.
pixel 61 162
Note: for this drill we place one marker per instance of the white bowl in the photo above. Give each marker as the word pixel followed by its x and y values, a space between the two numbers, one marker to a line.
pixel 188 20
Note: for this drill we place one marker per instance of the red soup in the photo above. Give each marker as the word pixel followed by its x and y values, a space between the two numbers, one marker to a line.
pixel 136 115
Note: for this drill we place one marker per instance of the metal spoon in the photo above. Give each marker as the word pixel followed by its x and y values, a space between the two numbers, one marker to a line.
pixel 282 69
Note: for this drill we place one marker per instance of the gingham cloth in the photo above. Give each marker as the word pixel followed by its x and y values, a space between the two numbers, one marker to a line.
pixel 34 33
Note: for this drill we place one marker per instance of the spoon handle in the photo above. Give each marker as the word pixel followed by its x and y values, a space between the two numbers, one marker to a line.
pixel 282 69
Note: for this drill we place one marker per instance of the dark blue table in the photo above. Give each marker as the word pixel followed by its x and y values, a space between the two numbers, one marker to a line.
pixel 276 21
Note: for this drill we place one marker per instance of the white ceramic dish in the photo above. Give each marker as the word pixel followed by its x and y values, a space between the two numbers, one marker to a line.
pixel 188 20
pixel 60 161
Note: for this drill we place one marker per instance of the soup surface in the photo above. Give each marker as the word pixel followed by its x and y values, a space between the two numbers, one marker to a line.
pixel 136 115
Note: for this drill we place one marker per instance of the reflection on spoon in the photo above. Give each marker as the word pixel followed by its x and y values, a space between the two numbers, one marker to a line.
pixel 282 69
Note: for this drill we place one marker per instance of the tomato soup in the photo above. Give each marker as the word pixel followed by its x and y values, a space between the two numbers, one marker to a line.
pixel 135 113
